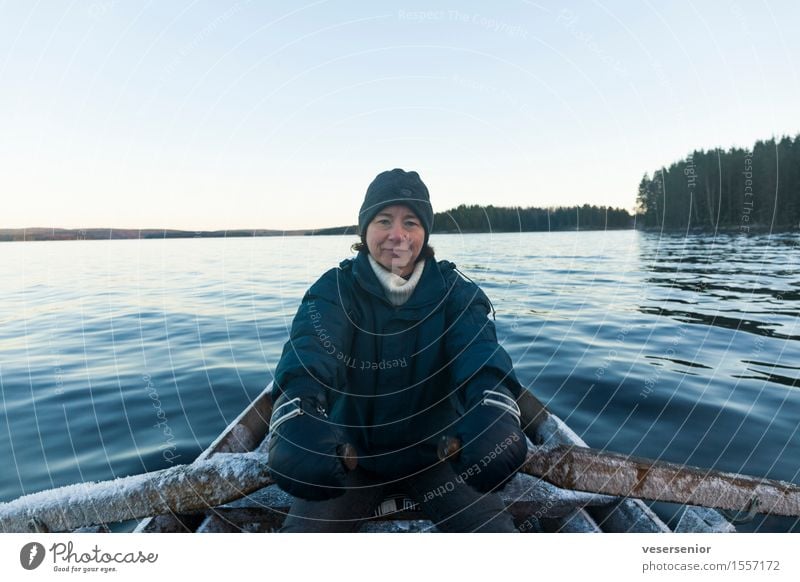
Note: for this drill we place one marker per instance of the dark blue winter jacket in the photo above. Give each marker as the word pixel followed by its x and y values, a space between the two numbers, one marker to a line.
pixel 395 379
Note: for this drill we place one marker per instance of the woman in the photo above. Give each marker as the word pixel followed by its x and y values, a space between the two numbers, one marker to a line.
pixel 390 352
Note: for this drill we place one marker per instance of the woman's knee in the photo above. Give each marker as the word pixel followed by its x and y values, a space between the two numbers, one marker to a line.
pixel 454 506
pixel 345 513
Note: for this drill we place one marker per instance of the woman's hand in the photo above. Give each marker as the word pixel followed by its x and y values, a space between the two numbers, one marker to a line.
pixel 306 450
pixel 493 446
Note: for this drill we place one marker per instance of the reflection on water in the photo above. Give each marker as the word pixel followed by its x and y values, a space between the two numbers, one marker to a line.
pixel 749 284
pixel 746 284
pixel 682 348
pixel 735 323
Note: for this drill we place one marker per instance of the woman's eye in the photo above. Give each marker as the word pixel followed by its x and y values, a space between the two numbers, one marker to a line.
pixel 411 224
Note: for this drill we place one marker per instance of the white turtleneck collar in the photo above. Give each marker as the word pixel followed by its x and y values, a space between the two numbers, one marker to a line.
pixel 397 289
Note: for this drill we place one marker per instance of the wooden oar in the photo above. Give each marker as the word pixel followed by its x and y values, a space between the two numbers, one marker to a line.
pixel 586 469
pixel 204 484
pixel 180 489
pixel 597 471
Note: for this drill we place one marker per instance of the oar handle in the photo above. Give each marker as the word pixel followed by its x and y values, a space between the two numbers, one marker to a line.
pixel 449 448
pixel 348 456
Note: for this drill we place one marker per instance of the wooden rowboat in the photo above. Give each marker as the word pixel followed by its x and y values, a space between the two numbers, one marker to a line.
pixel 536 505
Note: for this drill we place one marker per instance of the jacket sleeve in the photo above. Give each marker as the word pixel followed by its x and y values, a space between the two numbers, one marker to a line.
pixel 478 361
pixel 313 359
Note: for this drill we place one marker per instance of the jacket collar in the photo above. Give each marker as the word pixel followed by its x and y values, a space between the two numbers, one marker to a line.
pixel 430 290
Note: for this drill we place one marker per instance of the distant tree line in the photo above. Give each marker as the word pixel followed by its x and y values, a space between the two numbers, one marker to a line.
pixel 744 189
pixel 475 218
pixel 40 234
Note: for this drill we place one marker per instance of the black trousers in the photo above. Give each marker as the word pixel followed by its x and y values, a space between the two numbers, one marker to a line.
pixel 452 505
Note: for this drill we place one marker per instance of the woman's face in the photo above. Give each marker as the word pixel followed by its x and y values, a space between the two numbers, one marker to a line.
pixel 395 238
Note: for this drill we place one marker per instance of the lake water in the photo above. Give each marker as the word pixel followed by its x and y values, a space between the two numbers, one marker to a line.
pixel 124 356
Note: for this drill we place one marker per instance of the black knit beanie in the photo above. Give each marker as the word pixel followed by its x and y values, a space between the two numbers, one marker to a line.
pixel 397 187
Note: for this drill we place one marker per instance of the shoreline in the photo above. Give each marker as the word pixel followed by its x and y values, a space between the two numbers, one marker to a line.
pixel 65 234
pixel 26 235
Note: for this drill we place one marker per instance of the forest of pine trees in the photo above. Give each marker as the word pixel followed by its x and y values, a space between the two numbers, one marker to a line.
pixel 477 218
pixel 490 218
pixel 738 188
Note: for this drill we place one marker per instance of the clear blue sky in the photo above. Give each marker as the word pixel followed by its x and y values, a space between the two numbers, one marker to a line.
pixel 215 115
